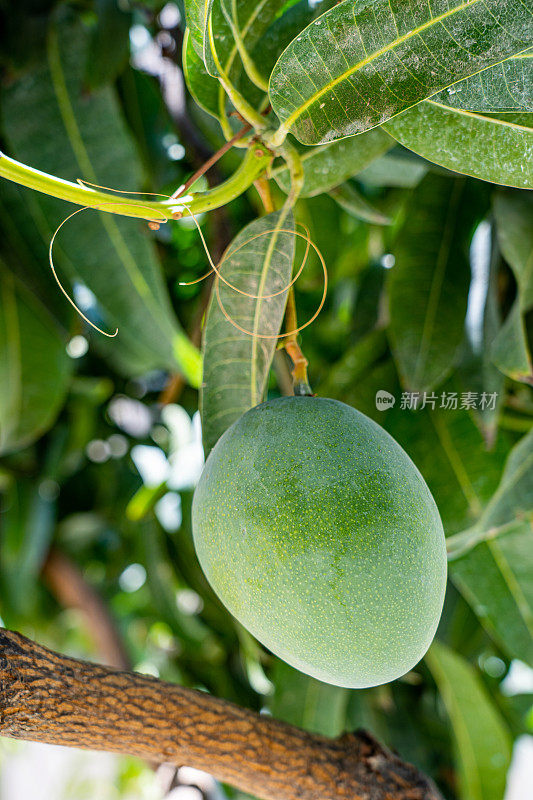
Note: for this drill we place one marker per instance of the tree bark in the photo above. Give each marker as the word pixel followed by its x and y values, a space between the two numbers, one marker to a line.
pixel 49 698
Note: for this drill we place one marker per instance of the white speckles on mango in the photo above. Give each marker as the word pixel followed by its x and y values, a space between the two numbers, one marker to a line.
pixel 319 534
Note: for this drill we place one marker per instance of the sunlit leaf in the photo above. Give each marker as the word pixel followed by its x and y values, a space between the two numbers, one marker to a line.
pixel 358 65
pixel 236 364
pixel 71 135
pixel 495 578
pixel 514 496
pixel 493 149
pixel 331 164
pixel 482 739
pixel 428 286
pixel 195 12
pixel 505 87
pixel 34 366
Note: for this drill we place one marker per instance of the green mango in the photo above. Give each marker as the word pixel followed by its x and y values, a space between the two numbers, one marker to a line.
pixel 319 534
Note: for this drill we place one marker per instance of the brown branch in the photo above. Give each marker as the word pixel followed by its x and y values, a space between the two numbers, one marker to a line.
pixel 211 161
pixel 47 697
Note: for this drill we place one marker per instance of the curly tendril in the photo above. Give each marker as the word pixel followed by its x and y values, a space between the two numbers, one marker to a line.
pixel 155 223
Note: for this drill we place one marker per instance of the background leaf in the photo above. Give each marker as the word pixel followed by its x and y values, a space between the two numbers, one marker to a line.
pixel 34 366
pixel 428 285
pixel 443 135
pixel 306 702
pixel 352 201
pixel 450 452
pixel 109 45
pixel 511 351
pixel 236 365
pixel 68 133
pixel 483 742
pixel 494 576
pixel 331 164
pixel 353 67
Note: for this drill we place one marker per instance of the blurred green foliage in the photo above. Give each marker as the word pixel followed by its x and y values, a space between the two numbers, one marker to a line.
pixel 412 306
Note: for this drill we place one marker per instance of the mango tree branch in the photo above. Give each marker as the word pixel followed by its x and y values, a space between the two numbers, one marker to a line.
pixel 49 698
pixel 254 164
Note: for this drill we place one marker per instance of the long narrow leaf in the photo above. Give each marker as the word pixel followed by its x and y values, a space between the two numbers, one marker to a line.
pixel 236 364
pixel 494 559
pixel 34 366
pixel 360 64
pixel 482 739
pixel 498 150
pixel 428 287
pixel 71 135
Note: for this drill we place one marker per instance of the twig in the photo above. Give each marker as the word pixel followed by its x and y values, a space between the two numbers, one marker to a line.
pixel 211 161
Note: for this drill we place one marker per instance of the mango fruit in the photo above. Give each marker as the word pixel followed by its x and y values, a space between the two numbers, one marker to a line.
pixel 319 534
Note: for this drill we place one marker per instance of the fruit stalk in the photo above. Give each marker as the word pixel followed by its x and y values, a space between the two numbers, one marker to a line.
pixel 300 381
pixel 50 698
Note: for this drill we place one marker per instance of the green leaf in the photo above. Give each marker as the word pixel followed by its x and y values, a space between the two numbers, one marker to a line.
pixel 449 450
pixel 110 45
pixel 505 87
pixel 492 562
pixel 195 14
pixel 236 364
pixel 357 362
pixel 289 22
pixel 428 286
pixel 28 522
pixel 249 18
pixel 482 739
pixel 514 496
pixel 51 124
pixel 494 577
pixel 513 212
pixel 360 64
pixel 394 169
pixel 353 202
pixel 445 136
pixel 511 351
pixel 34 366
pixel 202 86
pixel 306 702
pixel 331 164
pixel 476 370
